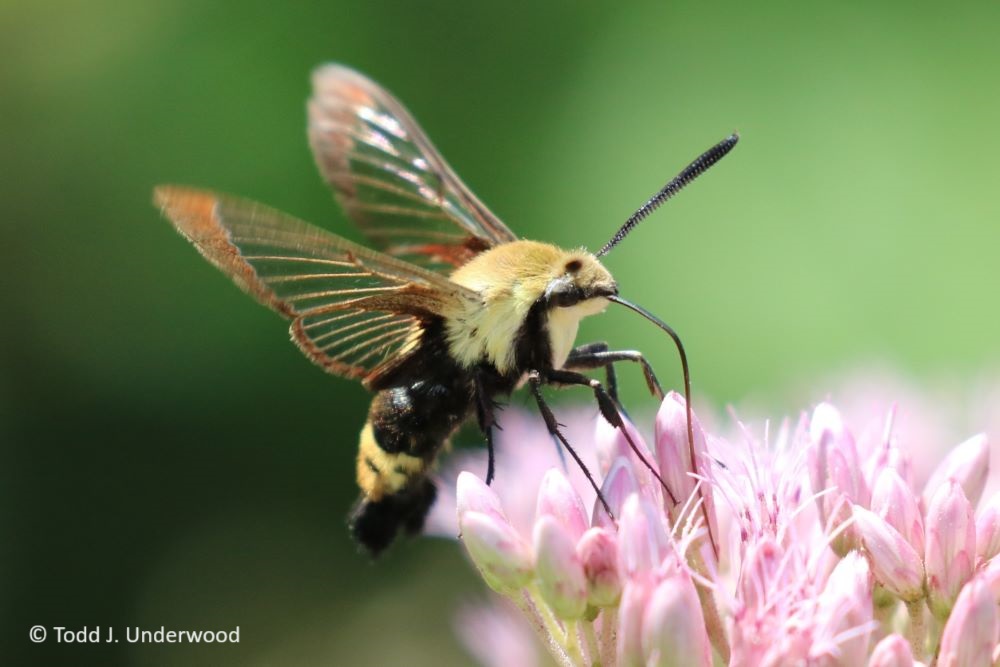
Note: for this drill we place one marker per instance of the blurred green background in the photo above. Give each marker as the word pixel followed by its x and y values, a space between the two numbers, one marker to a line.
pixel 169 459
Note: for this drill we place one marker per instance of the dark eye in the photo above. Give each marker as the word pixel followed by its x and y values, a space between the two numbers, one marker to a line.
pixel 573 265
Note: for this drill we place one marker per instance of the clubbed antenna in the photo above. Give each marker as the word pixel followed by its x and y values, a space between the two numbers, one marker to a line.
pixel 691 172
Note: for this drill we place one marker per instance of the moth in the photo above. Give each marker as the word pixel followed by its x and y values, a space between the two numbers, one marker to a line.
pixel 449 312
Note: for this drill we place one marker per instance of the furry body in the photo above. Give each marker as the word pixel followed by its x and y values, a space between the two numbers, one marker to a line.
pixel 532 298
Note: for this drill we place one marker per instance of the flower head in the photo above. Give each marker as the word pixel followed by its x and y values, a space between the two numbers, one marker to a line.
pixel 824 546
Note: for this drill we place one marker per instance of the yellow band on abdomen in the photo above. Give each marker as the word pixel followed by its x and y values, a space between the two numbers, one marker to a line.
pixel 381 473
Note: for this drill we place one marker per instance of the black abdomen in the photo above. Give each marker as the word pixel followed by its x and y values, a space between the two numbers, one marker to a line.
pixel 407 425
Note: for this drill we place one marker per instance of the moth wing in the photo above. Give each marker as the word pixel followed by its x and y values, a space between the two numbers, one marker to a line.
pixel 390 179
pixel 355 312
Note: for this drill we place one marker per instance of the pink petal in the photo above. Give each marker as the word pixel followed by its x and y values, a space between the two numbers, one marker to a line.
pixel 619 484
pixel 837 455
pixel 988 529
pixel 970 634
pixel 560 572
pixel 950 551
pixel 672 447
pixel 674 453
pixel 844 614
pixel 895 563
pixel 673 628
pixel 631 612
pixel 598 551
pixel 968 464
pixel 759 573
pixel 500 553
pixel 990 573
pixel 471 493
pixel 893 651
pixel 642 540
pixel 558 499
pixel 612 445
pixel 894 501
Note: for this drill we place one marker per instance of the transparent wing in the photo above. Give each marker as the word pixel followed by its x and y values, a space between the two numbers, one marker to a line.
pixel 354 311
pixel 390 179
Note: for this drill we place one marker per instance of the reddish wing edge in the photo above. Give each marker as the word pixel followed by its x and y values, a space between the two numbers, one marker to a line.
pixel 194 214
pixel 355 312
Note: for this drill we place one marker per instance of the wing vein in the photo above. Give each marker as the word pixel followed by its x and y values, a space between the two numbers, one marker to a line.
pixel 341 292
pixel 365 342
pixel 355 325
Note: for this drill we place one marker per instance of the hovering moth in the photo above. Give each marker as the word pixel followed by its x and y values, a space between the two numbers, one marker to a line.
pixel 449 312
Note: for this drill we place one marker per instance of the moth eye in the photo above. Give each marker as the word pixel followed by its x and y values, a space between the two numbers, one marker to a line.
pixel 573 265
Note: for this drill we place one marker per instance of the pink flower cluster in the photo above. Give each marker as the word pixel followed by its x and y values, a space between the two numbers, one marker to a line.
pixel 809 548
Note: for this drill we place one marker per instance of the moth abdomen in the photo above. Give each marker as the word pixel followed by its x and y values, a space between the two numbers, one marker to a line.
pixel 375 523
pixel 407 426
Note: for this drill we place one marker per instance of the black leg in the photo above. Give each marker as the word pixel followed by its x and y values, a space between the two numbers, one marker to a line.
pixel 535 380
pixel 582 358
pixel 597 355
pixel 487 420
pixel 609 411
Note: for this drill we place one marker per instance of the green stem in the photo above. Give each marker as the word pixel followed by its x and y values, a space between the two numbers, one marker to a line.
pixel 552 626
pixel 573 647
pixel 917 630
pixel 530 610
pixel 592 650
pixel 710 611
pixel 609 635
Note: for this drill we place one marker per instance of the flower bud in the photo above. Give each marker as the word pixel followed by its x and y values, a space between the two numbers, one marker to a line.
pixel 560 572
pixel 892 651
pixel 844 614
pixel 642 540
pixel 557 498
pixel 950 551
pixel 970 634
pixel 612 445
pixel 988 530
pixel 893 500
pixel 845 536
pixel 673 628
pixel 471 493
pixel 618 485
pixel 631 610
pixel 894 562
pixel 502 556
pixel 834 460
pixel 673 450
pixel 968 464
pixel 834 467
pixel 598 551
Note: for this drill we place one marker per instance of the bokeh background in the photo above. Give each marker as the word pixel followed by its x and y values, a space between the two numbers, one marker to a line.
pixel 169 459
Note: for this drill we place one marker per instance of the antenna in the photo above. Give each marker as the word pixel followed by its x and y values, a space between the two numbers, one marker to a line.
pixel 690 172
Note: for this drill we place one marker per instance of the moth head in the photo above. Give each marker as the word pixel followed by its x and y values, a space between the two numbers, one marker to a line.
pixel 579 278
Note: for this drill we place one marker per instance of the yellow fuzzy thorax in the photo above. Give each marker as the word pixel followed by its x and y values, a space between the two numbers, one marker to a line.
pixel 510 278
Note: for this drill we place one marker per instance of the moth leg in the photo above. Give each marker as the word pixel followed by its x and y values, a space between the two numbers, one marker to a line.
pixel 535 381
pixel 487 420
pixel 609 410
pixel 597 355
pixel 584 358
